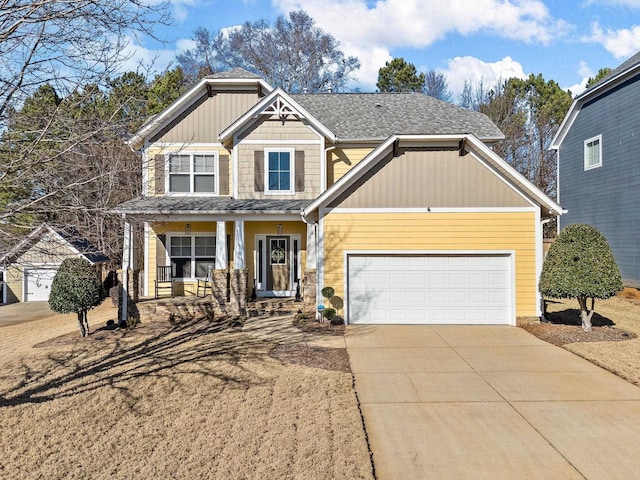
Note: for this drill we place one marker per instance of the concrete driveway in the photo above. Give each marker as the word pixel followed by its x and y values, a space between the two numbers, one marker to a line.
pixel 476 402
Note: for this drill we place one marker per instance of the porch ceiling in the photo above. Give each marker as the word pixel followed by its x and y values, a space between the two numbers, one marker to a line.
pixel 209 206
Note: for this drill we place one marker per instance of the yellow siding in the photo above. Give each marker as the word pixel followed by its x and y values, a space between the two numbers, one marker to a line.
pixel 512 231
pixel 341 160
pixel 251 229
pixel 14 284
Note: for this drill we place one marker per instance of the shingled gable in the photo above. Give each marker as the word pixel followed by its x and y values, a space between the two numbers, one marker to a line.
pixel 77 244
pixel 467 142
pixel 618 75
pixel 236 77
pixel 278 103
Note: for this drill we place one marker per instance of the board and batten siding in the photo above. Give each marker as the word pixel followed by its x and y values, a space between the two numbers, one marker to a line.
pixel 432 178
pixel 15 289
pixel 272 133
pixel 208 119
pixel 433 232
pixel 607 197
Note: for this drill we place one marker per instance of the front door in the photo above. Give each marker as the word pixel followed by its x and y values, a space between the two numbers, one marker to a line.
pixel 278 264
pixel 277 260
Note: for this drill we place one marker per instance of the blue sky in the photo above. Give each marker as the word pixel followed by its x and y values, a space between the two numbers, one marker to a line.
pixel 472 40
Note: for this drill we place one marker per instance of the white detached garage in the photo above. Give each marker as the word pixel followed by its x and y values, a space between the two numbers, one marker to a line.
pixel 422 288
pixel 29 267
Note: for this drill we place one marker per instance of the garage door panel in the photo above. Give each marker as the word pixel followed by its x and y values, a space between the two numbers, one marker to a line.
pixel 434 289
pixel 38 284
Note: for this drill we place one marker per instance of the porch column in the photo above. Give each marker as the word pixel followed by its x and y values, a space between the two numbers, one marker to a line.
pixel 312 251
pixel 127 257
pixel 221 246
pixel 238 246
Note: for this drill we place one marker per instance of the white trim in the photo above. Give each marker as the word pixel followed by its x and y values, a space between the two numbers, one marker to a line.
pixel 325 211
pixel 186 145
pixel 234 173
pixel 477 253
pixel 3 300
pixel 145 173
pixel 239 244
pixel 470 142
pixel 190 217
pixel 539 229
pixel 292 171
pixel 146 230
pixel 320 266
pixel 252 115
pixel 278 142
pixel 260 287
pixel 185 102
pixel 597 138
pixel 192 174
pixel 323 166
pixel 221 260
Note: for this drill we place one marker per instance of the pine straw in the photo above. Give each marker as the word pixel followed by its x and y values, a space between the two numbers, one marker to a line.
pixel 614 343
pixel 193 402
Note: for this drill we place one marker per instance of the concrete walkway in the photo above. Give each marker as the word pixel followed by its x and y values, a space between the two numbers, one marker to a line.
pixel 483 402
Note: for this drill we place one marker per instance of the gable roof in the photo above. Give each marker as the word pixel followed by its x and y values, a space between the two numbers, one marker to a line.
pixel 272 103
pixel 469 142
pixel 377 116
pixel 77 244
pixel 235 77
pixel 618 75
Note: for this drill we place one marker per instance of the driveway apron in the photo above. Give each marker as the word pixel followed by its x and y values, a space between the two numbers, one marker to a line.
pixel 485 402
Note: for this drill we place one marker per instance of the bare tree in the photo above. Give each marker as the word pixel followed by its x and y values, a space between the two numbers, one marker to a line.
pixel 436 86
pixel 60 133
pixel 293 54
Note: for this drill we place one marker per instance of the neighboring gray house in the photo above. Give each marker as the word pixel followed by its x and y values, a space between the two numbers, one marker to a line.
pixel 598 148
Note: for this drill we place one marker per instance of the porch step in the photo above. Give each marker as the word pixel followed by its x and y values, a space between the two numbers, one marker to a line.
pixel 273 307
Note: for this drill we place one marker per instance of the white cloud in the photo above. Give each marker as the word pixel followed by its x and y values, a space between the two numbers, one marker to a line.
pixel 371 60
pixel 146 61
pixel 475 72
pixel 621 43
pixel 617 3
pixel 418 24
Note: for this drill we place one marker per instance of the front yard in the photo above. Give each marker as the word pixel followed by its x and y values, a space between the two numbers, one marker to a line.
pixel 190 402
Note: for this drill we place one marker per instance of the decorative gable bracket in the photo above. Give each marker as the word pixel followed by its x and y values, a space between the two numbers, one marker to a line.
pixel 280 108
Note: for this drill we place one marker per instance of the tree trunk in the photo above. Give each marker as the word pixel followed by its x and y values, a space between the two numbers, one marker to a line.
pixel 585 314
pixel 83 323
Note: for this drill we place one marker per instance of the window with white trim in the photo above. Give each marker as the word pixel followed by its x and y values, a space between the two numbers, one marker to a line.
pixel 279 171
pixel 192 173
pixel 593 152
pixel 191 255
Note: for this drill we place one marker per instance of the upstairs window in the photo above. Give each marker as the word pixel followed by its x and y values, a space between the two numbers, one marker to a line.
pixel 279 172
pixel 593 153
pixel 192 173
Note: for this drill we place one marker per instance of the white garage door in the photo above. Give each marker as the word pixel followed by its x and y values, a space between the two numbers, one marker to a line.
pixel 430 289
pixel 38 282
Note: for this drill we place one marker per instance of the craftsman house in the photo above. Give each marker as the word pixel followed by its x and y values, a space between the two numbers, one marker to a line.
pixel 598 169
pixel 397 201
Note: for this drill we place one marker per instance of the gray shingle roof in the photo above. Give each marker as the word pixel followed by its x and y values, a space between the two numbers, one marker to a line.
pixel 377 116
pixel 626 65
pixel 209 205
pixel 234 74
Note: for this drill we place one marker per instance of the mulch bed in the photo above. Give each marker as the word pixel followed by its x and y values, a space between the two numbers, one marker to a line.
pixel 565 327
pixel 319 328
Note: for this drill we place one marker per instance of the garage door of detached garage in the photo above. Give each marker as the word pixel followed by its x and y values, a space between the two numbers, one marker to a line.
pixel 38 284
pixel 430 289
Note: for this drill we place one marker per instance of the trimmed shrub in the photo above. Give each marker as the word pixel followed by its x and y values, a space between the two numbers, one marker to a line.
pixel 580 265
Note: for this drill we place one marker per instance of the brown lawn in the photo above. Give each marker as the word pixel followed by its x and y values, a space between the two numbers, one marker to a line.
pixel 196 401
pixel 614 343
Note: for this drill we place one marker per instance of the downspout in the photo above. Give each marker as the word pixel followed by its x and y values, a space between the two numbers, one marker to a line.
pixel 315 236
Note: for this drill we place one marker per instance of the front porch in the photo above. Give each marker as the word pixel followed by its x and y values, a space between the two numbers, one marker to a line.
pixel 183 309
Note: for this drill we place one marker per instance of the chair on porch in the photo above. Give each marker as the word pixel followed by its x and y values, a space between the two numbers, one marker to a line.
pixel 206 284
pixel 164 279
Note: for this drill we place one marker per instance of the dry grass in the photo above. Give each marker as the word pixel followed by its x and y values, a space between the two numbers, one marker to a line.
pixel 194 402
pixel 621 313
